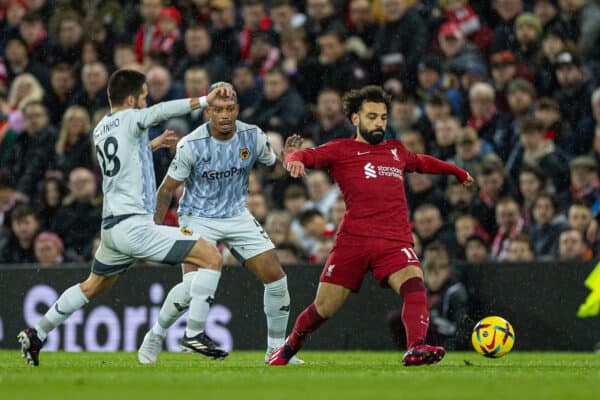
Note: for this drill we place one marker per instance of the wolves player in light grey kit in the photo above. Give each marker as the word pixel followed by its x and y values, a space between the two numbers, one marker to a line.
pixel 128 231
pixel 214 162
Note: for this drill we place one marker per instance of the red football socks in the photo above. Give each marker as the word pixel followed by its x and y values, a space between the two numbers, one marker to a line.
pixel 415 315
pixel 308 321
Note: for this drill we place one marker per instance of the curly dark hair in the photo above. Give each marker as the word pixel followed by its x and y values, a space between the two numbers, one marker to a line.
pixel 354 99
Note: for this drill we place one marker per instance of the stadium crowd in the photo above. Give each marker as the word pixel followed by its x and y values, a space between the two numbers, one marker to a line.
pixel 507 89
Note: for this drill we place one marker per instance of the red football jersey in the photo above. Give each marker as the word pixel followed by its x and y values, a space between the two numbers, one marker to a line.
pixel 371 178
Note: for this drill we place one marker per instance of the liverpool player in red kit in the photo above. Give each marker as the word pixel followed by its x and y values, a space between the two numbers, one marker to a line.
pixel 375 233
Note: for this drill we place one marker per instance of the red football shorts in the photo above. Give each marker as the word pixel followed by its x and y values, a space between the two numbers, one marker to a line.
pixel 352 256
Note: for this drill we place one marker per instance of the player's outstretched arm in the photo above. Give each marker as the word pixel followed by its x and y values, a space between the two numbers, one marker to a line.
pixel 163 198
pixel 163 111
pixel 431 165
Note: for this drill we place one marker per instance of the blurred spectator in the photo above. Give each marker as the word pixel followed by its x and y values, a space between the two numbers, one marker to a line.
pixel 17 247
pixel 300 66
pixel 579 216
pixel 574 92
pixel 13 13
pixel 447 303
pixel 362 22
pixel 92 95
pixel 284 15
pixel 331 122
pixel 9 198
pixel 465 226
pixel 558 130
pixel 547 225
pixel 225 36
pixel 461 13
pixel 504 35
pixel 446 134
pixel 69 31
pixel 476 250
pixel 74 145
pixel 429 225
pixel 321 16
pixel 279 108
pixel 198 51
pixel 339 69
pixel 278 227
pixel 585 182
pixel 493 184
pixel 196 84
pixel 18 62
pixel 149 11
pixel 60 95
pixel 167 34
pixel 245 86
pixel 484 115
pixel 547 12
pixel 414 142
pixel 321 192
pixel 315 224
pixel 421 189
pixel 469 149
pixel 254 15
pixel 536 151
pixel 258 207
pixel 457 52
pixel 52 195
pixel 459 198
pixel 528 32
pixel 510 224
pixel 25 88
pixel 294 199
pixel 431 79
pixel 521 97
pixel 504 69
pixel 436 107
pixel 289 254
pixel 403 114
pixel 532 181
pixel 400 43
pixel 33 151
pixel 48 249
pixel 554 42
pixel 78 221
pixel 264 55
pixel 520 249
pixel 572 246
pixel 123 54
pixel 34 34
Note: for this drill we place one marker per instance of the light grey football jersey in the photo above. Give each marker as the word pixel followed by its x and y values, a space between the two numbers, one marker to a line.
pixel 125 157
pixel 216 172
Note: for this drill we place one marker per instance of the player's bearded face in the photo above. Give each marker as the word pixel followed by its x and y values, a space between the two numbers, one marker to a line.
pixel 373 136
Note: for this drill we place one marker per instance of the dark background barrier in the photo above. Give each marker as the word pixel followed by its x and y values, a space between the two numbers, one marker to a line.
pixel 540 300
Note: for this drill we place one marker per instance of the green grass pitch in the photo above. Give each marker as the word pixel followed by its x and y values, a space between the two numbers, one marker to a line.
pixel 327 375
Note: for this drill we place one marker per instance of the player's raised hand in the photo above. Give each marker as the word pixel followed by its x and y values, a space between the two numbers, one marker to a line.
pixel 292 144
pixel 469 181
pixel 221 91
pixel 168 139
pixel 296 169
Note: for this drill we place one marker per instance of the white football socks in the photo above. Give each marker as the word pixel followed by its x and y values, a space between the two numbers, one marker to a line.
pixel 277 310
pixel 175 305
pixel 202 291
pixel 70 301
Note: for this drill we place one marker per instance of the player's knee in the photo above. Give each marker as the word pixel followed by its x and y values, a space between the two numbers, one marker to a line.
pixel 325 308
pixel 214 260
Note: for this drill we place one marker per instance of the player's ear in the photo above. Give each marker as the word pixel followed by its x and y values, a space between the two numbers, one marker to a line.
pixel 354 119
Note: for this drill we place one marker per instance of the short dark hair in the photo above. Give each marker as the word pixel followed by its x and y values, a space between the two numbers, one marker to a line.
pixel 124 83
pixel 550 197
pixel 354 99
pixel 532 125
pixel 535 171
pixel 22 211
pixel 32 16
pixel 307 215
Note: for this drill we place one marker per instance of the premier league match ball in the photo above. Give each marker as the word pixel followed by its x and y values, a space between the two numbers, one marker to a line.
pixel 493 337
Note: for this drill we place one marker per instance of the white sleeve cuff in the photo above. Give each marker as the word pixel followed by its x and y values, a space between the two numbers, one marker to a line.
pixel 203 102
